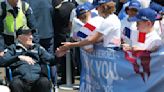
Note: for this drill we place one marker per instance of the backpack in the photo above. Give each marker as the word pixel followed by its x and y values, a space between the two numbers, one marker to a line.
pixel 4 13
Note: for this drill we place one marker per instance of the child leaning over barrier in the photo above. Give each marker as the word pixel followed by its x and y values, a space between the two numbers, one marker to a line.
pixel 88 22
pixel 147 40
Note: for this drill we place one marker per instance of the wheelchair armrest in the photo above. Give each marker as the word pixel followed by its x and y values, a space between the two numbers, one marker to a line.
pixel 9 73
pixel 48 71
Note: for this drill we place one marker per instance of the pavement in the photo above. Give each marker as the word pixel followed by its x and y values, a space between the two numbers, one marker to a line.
pixel 68 90
pixel 73 88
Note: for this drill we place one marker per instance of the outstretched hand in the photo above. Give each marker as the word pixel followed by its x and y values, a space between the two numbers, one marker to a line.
pixel 62 50
pixel 60 53
pixel 126 47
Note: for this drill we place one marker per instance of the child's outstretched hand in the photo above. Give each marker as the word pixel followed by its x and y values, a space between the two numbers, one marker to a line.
pixel 126 47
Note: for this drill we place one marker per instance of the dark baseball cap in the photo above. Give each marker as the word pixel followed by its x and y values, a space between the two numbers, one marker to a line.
pixel 134 4
pixel 81 9
pixel 24 31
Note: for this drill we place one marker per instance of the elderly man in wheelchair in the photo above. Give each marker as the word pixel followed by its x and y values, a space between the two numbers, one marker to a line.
pixel 24 58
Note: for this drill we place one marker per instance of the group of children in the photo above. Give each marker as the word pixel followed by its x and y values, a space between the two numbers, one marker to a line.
pixel 141 30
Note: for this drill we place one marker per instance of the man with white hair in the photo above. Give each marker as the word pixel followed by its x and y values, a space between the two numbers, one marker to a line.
pixel 24 58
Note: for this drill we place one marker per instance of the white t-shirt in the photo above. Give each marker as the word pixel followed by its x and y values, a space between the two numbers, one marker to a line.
pixel 144 3
pixel 162 29
pixel 76 25
pixel 95 21
pixel 157 27
pixel 110 28
pixel 152 40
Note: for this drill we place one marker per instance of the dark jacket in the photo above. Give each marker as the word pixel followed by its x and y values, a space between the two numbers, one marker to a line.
pixel 61 21
pixel 21 69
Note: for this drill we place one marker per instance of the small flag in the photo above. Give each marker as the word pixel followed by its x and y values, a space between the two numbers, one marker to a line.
pixel 90 27
pixel 81 34
pixel 141 37
pixel 127 32
pixel 86 30
pixel 77 24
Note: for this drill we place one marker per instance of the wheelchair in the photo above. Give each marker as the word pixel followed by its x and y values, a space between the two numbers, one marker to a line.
pixel 9 77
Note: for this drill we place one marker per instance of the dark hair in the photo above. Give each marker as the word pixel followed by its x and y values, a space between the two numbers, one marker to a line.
pixel 83 17
pixel 127 8
pixel 108 8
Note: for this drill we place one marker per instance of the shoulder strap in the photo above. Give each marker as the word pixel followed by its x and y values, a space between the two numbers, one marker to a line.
pixel 2 17
pixel 3 6
pixel 24 7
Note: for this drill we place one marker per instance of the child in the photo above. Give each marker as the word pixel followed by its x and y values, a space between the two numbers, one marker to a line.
pixel 87 24
pixel 131 11
pixel 146 41
pixel 145 21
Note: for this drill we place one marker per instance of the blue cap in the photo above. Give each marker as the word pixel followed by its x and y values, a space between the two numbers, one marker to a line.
pixel 103 1
pixel 158 8
pixel 145 14
pixel 81 9
pixel 134 4
pixel 99 2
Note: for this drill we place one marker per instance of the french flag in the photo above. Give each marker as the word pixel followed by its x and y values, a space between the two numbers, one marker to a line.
pixel 141 36
pixel 127 32
pixel 86 30
pixel 77 24
pixel 127 36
